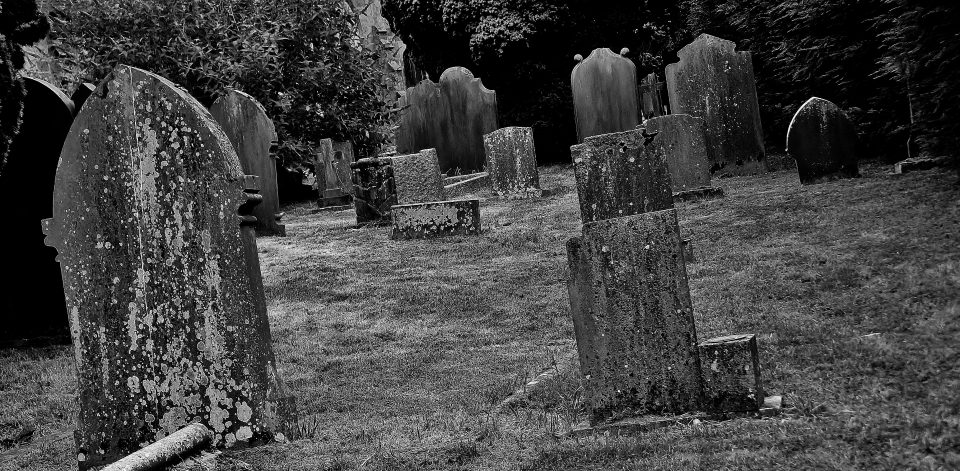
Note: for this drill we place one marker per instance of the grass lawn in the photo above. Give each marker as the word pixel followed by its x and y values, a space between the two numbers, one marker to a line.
pixel 398 351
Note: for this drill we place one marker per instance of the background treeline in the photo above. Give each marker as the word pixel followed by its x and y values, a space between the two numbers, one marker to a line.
pixel 893 65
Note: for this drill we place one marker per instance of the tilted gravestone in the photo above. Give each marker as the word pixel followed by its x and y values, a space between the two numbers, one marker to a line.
pixel 512 162
pixel 682 139
pixel 254 136
pixel 31 292
pixel 823 142
pixel 714 82
pixel 374 190
pixel 451 116
pixel 605 94
pixel 334 177
pixel 620 174
pixel 163 286
pixel 417 177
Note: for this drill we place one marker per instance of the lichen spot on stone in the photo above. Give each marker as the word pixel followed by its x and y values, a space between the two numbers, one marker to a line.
pixel 244 412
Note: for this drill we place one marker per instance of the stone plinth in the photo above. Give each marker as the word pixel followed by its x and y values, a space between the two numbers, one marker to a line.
pixel 436 219
pixel 512 162
pixel 823 142
pixel 731 374
pixel 417 177
pixel 374 191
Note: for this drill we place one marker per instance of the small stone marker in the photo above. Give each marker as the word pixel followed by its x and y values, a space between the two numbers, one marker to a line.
pixel 436 219
pixel 334 177
pixel 167 312
pixel 683 141
pixel 374 190
pixel 254 136
pixel 731 374
pixel 605 94
pixel 32 308
pixel 512 162
pixel 621 174
pixel 417 177
pixel 714 82
pixel 633 317
pixel 823 142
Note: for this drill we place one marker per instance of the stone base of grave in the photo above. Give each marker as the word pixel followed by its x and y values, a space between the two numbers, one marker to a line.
pixel 462 185
pixel 921 163
pixel 697 194
pixel 436 219
pixel 730 367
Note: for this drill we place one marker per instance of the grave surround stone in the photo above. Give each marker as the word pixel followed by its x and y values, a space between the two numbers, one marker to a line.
pixel 605 94
pixel 334 176
pixel 512 162
pixel 417 177
pixel 436 219
pixel 152 228
pixel 731 373
pixel 823 142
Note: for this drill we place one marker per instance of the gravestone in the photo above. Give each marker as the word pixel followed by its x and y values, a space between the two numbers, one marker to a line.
pixel 731 373
pixel 254 137
pixel 451 116
pixel 620 174
pixel 80 95
pixel 681 137
pixel 714 82
pixel 512 162
pixel 417 177
pixel 652 97
pixel 334 177
pixel 163 287
pixel 605 94
pixel 823 142
pixel 436 219
pixel 374 190
pixel 32 306
pixel 633 317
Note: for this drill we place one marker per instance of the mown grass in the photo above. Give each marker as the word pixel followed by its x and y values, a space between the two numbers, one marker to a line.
pixel 397 351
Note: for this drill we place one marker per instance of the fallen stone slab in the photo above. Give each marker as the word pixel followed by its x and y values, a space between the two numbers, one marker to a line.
pixel 921 163
pixel 436 219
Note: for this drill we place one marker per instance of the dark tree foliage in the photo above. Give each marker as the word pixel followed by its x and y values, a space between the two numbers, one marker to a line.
pixel 524 49
pixel 21 23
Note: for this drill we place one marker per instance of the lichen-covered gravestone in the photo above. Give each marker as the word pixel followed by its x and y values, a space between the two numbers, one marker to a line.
pixel 163 286
pixel 254 136
pixel 334 177
pixel 715 82
pixel 417 177
pixel 436 219
pixel 620 174
pixel 823 142
pixel 605 94
pixel 374 190
pixel 451 116
pixel 681 137
pixel 31 293
pixel 512 162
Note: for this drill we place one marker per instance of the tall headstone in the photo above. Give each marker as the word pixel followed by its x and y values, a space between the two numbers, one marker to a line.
pixel 682 139
pixel 417 177
pixel 451 116
pixel 254 137
pixel 332 167
pixel 163 287
pixel 823 142
pixel 374 190
pixel 715 82
pixel 512 162
pixel 620 174
pixel 653 100
pixel 605 94
pixel 32 306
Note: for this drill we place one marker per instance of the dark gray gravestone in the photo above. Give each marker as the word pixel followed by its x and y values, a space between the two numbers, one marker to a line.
pixel 620 174
pixel 31 292
pixel 653 101
pixel 80 95
pixel 452 117
pixel 682 139
pixel 417 177
pixel 163 286
pixel 374 190
pixel 714 82
pixel 731 373
pixel 512 162
pixel 605 94
pixel 253 136
pixel 332 167
pixel 633 317
pixel 823 142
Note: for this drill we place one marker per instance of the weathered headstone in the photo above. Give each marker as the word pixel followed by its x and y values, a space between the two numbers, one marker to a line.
pixel 436 219
pixel 653 101
pixel 633 317
pixel 681 137
pixel 417 177
pixel 163 286
pixel 731 373
pixel 823 142
pixel 605 94
pixel 32 306
pixel 451 116
pixel 714 82
pixel 80 95
pixel 512 162
pixel 374 190
pixel 334 177
pixel 620 174
pixel 254 136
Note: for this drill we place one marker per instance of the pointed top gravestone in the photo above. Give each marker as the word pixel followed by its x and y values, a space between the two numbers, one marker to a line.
pixel 823 142
pixel 451 116
pixel 253 135
pixel 166 309
pixel 605 94
pixel 715 82
pixel 31 293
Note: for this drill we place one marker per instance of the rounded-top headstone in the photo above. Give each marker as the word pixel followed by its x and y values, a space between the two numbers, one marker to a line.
pixel 605 95
pixel 823 142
